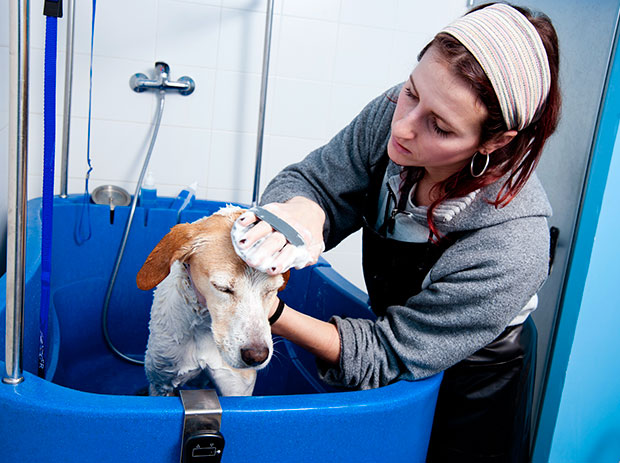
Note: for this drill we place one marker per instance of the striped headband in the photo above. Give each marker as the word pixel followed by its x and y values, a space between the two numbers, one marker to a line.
pixel 513 57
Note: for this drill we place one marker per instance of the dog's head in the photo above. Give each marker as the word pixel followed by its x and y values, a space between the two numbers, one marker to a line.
pixel 237 296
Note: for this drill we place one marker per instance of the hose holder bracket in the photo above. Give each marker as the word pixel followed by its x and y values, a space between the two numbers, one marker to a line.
pixel 202 440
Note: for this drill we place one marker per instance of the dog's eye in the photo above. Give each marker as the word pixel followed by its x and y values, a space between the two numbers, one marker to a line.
pixel 223 289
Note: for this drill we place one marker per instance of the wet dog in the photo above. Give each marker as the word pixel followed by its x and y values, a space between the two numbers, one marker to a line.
pixel 209 314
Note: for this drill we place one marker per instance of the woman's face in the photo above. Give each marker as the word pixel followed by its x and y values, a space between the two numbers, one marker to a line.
pixel 437 121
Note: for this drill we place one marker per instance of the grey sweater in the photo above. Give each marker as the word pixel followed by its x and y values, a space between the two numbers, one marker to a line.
pixel 476 288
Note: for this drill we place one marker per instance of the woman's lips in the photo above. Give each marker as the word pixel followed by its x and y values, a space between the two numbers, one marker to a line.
pixel 400 148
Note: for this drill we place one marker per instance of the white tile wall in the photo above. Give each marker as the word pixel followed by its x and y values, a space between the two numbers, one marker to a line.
pixel 326 10
pixel 235 101
pixel 299 108
pixel 369 13
pixel 4 26
pixel 306 49
pixel 241 35
pixel 230 165
pixel 189 32
pixel 4 85
pixel 328 59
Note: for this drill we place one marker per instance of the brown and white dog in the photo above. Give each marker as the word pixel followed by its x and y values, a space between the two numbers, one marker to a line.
pixel 210 309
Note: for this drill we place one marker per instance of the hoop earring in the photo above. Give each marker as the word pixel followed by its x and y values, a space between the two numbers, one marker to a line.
pixel 484 169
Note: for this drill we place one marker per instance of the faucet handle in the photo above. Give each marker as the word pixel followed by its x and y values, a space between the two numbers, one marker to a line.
pixel 189 83
pixel 136 82
pixel 162 69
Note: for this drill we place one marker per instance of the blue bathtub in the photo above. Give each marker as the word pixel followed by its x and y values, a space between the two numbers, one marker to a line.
pixel 89 407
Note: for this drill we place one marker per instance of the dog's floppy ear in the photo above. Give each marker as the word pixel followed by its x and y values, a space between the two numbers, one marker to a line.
pixel 176 245
pixel 286 275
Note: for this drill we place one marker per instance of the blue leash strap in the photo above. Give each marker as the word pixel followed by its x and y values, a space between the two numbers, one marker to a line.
pixel 83 230
pixel 53 10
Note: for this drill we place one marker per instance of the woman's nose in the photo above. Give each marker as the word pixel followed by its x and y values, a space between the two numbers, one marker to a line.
pixel 406 126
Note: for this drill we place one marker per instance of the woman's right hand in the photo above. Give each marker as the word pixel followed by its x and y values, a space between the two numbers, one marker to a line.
pixel 266 249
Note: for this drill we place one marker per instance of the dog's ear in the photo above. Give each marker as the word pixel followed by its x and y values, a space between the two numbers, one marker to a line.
pixel 176 245
pixel 286 275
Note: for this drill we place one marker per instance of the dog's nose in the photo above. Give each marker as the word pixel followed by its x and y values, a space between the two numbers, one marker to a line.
pixel 254 355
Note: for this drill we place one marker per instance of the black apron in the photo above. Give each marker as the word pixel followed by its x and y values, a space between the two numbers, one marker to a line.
pixel 483 411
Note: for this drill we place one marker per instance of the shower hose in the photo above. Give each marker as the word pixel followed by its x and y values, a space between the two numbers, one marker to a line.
pixel 121 250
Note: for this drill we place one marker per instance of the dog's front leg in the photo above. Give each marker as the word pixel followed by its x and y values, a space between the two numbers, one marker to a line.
pixel 158 390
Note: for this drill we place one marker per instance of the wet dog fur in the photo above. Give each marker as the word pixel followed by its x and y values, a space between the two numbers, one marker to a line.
pixel 209 314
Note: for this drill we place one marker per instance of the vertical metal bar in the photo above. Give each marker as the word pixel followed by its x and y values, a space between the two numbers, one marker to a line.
pixel 263 101
pixel 66 120
pixel 19 45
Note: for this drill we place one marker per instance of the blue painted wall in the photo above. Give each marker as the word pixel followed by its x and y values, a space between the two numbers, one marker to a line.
pixel 588 422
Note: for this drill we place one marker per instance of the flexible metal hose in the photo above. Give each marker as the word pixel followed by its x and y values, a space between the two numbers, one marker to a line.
pixel 121 251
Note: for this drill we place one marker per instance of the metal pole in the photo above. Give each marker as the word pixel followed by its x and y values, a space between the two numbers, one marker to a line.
pixel 263 101
pixel 19 46
pixel 66 120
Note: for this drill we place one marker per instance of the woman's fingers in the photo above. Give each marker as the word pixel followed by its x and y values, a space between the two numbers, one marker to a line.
pixel 254 231
pixel 262 254
pixel 283 260
pixel 247 218
pixel 268 250
pixel 258 242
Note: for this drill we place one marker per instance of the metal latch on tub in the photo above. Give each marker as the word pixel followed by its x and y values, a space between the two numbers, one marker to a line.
pixel 202 440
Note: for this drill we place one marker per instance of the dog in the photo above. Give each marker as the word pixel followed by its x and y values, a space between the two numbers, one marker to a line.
pixel 209 314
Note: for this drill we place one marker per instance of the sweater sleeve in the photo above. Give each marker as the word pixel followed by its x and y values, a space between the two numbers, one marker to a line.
pixel 337 175
pixel 476 288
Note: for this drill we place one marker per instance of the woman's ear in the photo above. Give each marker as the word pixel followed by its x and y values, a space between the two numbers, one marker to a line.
pixel 497 142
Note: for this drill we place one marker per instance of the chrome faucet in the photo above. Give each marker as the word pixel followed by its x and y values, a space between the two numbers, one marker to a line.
pixel 141 83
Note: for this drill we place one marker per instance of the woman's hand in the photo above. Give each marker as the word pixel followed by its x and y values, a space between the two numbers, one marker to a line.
pixel 262 247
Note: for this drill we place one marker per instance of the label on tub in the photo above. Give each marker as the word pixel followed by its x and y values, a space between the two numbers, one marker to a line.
pixel 205 447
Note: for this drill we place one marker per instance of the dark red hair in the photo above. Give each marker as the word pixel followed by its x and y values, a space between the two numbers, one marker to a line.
pixel 519 157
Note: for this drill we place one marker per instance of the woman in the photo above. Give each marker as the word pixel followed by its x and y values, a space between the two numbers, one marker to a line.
pixel 439 173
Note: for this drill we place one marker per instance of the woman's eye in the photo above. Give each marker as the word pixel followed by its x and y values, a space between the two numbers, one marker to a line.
pixel 438 130
pixel 410 94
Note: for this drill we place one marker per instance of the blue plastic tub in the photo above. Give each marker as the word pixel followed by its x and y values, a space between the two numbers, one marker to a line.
pixel 89 409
